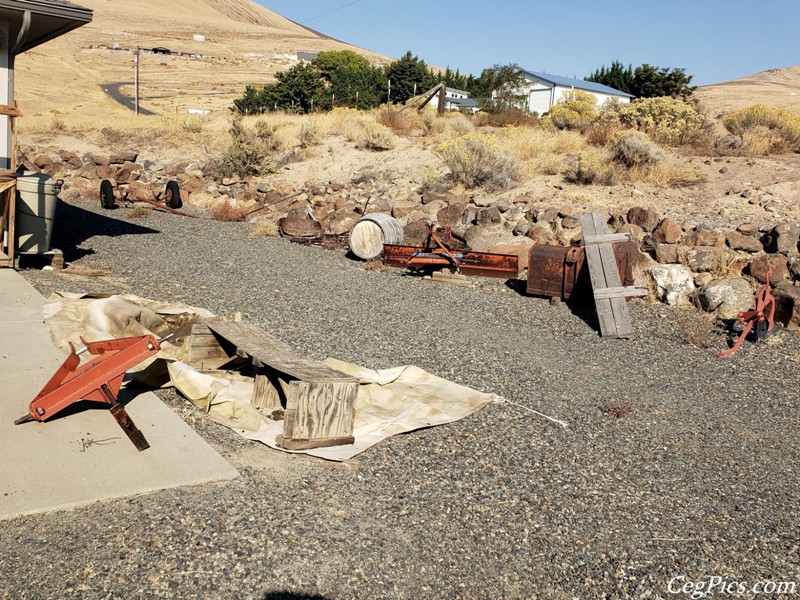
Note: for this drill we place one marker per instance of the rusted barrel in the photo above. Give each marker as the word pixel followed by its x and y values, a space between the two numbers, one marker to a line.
pixel 371 232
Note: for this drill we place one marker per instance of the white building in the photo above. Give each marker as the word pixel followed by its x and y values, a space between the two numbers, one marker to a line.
pixel 542 91
pixel 456 100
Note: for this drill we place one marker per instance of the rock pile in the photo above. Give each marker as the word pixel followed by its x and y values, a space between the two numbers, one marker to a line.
pixel 717 270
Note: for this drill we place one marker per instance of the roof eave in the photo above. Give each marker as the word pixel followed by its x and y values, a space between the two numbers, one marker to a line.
pixel 50 9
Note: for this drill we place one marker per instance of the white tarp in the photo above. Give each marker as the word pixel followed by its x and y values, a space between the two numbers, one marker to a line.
pixel 389 401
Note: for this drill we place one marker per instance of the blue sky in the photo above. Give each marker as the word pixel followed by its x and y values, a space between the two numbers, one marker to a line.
pixel 714 40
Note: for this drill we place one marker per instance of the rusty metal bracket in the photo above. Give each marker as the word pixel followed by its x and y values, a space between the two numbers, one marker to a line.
pixel 98 380
pixel 761 317
pixel 437 254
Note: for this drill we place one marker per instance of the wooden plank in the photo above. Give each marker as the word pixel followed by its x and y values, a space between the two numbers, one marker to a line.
pixel 606 238
pixel 271 351
pixel 619 308
pixel 621 292
pixel 204 349
pixel 597 276
pixel 323 410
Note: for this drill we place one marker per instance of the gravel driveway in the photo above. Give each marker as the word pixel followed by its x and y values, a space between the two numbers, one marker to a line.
pixel 675 463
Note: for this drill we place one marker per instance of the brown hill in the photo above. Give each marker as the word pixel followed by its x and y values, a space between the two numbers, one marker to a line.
pixel 776 87
pixel 242 42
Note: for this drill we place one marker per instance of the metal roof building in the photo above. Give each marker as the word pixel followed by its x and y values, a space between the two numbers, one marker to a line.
pixel 544 90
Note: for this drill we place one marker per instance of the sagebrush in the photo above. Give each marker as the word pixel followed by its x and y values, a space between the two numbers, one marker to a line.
pixel 476 160
pixel 765 129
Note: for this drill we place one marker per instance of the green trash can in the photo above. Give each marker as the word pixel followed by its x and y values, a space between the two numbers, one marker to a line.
pixel 37 194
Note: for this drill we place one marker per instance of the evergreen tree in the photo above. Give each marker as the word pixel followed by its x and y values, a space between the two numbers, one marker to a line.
pixel 646 81
pixel 329 62
pixel 407 72
pixel 301 89
pixel 358 87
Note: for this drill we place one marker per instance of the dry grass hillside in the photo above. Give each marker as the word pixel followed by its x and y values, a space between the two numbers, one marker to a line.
pixel 244 43
pixel 776 87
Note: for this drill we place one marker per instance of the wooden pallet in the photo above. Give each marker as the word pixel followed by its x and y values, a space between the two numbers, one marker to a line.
pixel 609 293
pixel 319 401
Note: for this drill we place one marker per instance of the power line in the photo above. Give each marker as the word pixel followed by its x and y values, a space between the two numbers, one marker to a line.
pixel 330 12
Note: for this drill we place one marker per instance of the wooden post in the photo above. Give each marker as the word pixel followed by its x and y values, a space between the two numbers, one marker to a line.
pixel 442 97
pixel 136 80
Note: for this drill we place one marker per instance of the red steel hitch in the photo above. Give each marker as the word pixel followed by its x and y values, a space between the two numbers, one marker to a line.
pixel 762 317
pixel 98 380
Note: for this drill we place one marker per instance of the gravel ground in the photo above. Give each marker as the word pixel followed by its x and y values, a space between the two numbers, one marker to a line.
pixel 674 462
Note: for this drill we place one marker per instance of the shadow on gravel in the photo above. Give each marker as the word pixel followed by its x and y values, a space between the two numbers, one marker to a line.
pixel 73 225
pixel 583 311
pixel 292 596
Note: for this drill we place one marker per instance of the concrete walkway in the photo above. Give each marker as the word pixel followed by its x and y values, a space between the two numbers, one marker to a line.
pixel 83 457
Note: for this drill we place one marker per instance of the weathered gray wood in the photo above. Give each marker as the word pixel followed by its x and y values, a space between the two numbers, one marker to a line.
pixel 606 238
pixel 204 349
pixel 319 400
pixel 619 308
pixel 321 410
pixel 270 351
pixel 612 311
pixel 620 292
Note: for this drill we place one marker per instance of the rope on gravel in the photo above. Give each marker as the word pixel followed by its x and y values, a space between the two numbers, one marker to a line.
pixel 500 400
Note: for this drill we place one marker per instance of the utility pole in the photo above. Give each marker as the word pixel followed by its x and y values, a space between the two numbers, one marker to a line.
pixel 389 93
pixel 136 80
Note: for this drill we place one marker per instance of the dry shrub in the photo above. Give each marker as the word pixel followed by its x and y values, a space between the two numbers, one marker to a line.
pixel 765 129
pixel 266 226
pixel 600 132
pixel 250 151
pixel 310 134
pixel 374 136
pixel 763 141
pixel 476 160
pixel 504 118
pixel 634 149
pixel 590 168
pixel 575 110
pixel 403 123
pixel 541 150
pixel 670 121
pixel 348 122
pixel 57 123
pixel 229 210
pixel 138 212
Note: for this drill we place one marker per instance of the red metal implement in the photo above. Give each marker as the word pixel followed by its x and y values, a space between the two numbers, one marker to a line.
pixel 98 380
pixel 437 254
pixel 762 317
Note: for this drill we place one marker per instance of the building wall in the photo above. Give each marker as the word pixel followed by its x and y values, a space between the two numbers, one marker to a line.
pixel 601 98
pixel 6 92
pixel 541 95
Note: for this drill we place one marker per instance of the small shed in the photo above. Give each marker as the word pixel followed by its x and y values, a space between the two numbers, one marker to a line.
pixel 543 90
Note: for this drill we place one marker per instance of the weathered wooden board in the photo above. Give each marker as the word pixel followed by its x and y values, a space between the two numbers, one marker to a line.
pixel 320 410
pixel 612 311
pixel 620 292
pixel 204 349
pixel 270 351
pixel 319 401
pixel 606 238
